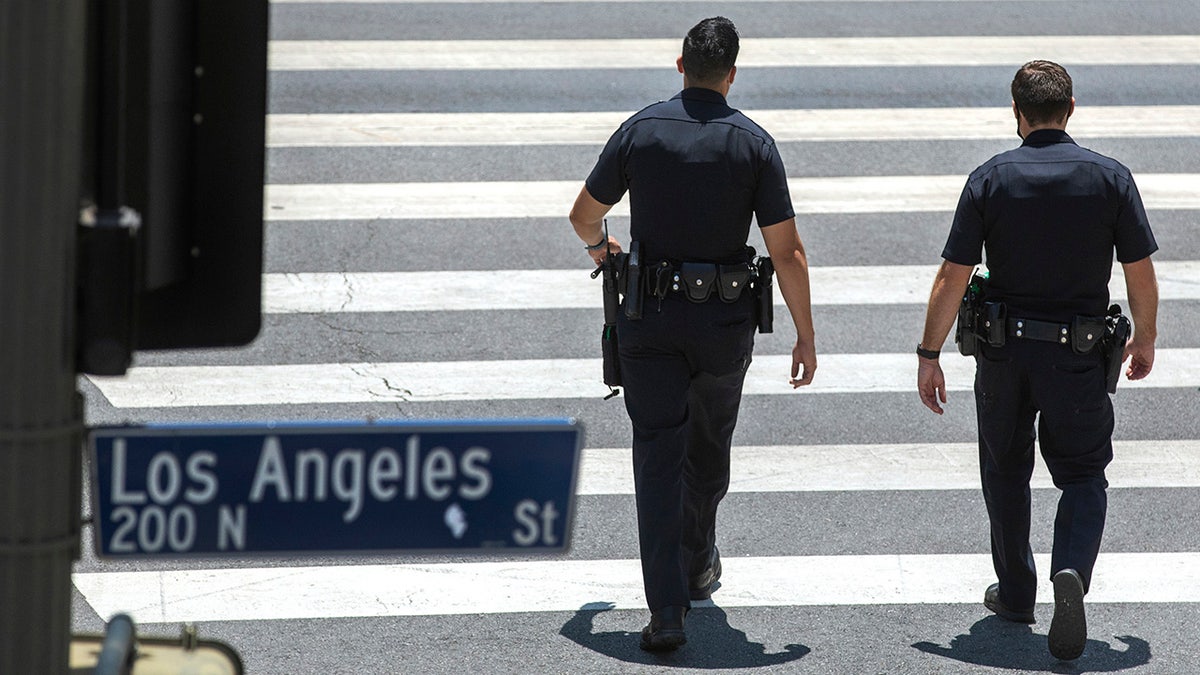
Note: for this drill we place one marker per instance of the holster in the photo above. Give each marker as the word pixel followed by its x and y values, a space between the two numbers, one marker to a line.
pixel 634 293
pixel 763 276
pixel 609 353
pixel 1116 334
pixel 614 272
pixel 969 327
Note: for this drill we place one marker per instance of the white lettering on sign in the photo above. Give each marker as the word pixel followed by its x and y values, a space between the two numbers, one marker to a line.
pixel 153 529
pixel 231 528
pixel 271 472
pixel 120 494
pixel 165 478
pixel 350 475
pixel 537 523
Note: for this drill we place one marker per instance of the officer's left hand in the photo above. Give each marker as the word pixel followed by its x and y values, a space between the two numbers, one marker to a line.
pixel 1141 357
pixel 804 355
pixel 601 253
pixel 931 384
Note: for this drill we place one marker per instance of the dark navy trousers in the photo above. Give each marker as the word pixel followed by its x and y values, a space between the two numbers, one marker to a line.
pixel 1065 393
pixel 683 365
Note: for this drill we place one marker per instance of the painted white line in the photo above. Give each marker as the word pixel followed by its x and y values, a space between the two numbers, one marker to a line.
pixel 562 54
pixel 553 199
pixel 503 290
pixel 586 128
pixel 433 381
pixel 519 2
pixel 919 466
pixel 564 586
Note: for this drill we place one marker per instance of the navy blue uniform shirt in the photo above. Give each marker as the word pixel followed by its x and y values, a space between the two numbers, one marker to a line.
pixel 1049 215
pixel 696 170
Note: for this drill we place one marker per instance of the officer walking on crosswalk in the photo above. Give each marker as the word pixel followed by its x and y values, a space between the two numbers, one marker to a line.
pixel 1049 216
pixel 696 171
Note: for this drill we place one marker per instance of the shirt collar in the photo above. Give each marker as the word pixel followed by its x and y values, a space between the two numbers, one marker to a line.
pixel 1047 137
pixel 701 94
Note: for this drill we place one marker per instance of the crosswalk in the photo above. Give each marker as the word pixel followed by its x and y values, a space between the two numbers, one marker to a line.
pixel 861 394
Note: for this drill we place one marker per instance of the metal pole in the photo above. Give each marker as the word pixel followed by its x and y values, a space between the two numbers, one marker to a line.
pixel 42 70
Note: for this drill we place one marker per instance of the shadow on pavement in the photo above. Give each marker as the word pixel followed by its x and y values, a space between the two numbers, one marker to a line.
pixel 1004 644
pixel 712 642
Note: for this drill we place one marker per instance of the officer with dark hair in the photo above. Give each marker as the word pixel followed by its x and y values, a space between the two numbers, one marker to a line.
pixel 1049 216
pixel 696 171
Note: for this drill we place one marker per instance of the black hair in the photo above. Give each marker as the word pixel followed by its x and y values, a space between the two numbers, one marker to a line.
pixel 1042 92
pixel 710 50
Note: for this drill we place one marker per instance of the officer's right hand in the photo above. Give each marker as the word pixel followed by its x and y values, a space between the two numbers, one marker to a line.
pixel 931 384
pixel 601 253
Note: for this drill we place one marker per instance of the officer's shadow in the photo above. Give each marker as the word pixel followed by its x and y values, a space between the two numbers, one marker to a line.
pixel 1003 644
pixel 712 642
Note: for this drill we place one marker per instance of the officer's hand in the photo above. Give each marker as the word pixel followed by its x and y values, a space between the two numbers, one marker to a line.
pixel 599 254
pixel 1141 357
pixel 803 354
pixel 931 384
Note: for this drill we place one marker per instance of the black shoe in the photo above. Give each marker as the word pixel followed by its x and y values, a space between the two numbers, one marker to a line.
pixel 664 633
pixel 991 600
pixel 700 587
pixel 1068 628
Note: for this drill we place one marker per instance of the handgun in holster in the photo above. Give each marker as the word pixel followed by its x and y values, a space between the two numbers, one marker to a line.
pixel 970 326
pixel 764 284
pixel 1117 330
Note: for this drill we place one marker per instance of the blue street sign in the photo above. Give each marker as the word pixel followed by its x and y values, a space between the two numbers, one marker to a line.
pixel 239 490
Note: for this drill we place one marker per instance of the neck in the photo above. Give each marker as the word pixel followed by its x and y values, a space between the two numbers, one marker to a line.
pixel 722 88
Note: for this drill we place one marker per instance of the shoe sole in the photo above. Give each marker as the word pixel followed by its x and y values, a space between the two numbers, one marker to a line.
pixel 664 641
pixel 1068 628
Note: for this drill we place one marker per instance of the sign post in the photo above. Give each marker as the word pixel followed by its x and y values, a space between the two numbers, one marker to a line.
pixel 362 487
pixel 42 74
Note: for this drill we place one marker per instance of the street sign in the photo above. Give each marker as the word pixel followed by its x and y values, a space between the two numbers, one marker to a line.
pixel 241 490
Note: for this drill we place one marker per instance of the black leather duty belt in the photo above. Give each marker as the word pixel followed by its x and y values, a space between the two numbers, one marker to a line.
pixel 1082 333
pixel 1043 331
pixel 698 281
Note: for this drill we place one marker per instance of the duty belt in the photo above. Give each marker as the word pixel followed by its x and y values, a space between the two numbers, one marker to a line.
pixel 696 281
pixel 1043 331
pixel 1081 333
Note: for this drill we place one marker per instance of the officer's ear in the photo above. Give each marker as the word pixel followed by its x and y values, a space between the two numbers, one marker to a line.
pixel 679 63
pixel 1071 110
pixel 732 73
pixel 1016 111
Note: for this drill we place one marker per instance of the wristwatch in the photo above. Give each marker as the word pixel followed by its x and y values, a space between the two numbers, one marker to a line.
pixel 927 353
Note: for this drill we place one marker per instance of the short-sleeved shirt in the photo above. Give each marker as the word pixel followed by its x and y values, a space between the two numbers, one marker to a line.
pixel 1049 215
pixel 696 170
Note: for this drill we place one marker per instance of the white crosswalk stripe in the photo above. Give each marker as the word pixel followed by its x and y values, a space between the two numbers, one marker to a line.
pixel 545 199
pixel 846 124
pixel 822 465
pixel 188 386
pixel 464 290
pixel 973 50
pixel 563 586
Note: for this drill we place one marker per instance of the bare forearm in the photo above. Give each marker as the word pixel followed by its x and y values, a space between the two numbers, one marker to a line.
pixel 792 273
pixel 1141 286
pixel 948 287
pixel 587 217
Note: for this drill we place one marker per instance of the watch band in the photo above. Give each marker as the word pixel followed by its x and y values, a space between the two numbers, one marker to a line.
pixel 927 353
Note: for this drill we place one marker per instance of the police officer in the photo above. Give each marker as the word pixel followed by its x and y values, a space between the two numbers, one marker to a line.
pixel 1049 215
pixel 696 171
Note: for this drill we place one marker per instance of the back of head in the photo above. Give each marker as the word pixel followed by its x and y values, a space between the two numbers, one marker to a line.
pixel 710 50
pixel 1042 92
